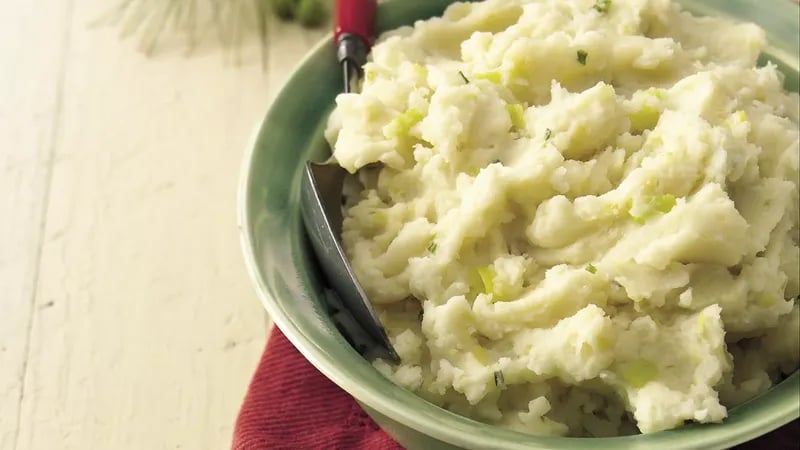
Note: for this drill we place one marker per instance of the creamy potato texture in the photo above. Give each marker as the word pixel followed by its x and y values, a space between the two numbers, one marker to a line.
pixel 576 217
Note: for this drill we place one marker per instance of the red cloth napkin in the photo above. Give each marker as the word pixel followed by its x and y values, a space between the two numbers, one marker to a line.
pixel 291 406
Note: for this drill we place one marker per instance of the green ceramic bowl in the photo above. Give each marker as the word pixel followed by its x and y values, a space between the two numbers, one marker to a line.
pixel 281 262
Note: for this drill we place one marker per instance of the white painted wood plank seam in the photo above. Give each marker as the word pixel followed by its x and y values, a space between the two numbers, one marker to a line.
pixel 55 132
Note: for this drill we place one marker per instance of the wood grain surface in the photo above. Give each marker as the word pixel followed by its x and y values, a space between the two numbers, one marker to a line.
pixel 126 317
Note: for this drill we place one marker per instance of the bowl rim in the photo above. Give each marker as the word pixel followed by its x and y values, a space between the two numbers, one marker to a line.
pixel 761 423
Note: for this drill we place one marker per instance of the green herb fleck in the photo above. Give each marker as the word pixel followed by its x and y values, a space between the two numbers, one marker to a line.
pixel 548 133
pixel 602 6
pixel 582 57
pixel 432 247
pixel 499 379
pixel 591 268
pixel 463 77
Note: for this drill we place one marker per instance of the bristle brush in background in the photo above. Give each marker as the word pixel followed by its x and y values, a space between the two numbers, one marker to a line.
pixel 233 21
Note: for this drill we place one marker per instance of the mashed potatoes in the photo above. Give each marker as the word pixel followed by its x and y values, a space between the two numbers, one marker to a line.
pixel 577 217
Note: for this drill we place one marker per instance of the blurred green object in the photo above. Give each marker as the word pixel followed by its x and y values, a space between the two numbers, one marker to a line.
pixel 281 264
pixel 311 13
pixel 284 9
pixel 233 21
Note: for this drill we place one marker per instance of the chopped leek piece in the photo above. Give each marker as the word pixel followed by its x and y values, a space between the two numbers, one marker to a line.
pixel 765 300
pixel 402 124
pixel 644 119
pixel 663 203
pixel 517 113
pixel 487 275
pixel 660 204
pixel 479 353
pixel 638 373
pixel 494 77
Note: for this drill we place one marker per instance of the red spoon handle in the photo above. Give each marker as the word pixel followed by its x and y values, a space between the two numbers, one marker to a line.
pixel 356 17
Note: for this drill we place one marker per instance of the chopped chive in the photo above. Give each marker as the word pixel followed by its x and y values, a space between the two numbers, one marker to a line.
pixel 591 268
pixel 499 379
pixel 548 133
pixel 463 77
pixel 432 247
pixel 582 57
pixel 602 6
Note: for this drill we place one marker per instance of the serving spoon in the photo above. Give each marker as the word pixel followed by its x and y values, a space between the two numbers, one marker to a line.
pixel 321 199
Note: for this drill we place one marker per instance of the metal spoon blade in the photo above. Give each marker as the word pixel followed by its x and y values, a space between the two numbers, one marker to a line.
pixel 321 206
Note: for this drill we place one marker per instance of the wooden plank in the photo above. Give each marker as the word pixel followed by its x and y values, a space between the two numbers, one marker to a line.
pixel 31 48
pixel 146 329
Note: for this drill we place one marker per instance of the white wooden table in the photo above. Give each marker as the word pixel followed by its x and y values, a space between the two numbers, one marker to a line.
pixel 126 317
